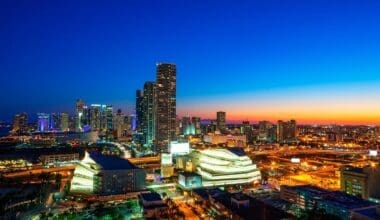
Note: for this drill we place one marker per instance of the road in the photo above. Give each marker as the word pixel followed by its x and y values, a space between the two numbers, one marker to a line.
pixel 36 171
pixel 186 210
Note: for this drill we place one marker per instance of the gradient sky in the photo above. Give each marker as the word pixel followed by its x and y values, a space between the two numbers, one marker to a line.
pixel 315 61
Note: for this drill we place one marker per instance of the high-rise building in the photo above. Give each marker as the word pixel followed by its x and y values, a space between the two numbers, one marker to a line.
pixel 208 126
pixel 221 121
pixel 79 115
pixel 107 119
pixel 196 121
pixel 85 120
pixel 119 124
pixel 72 123
pixel 247 130
pixel 95 117
pixel 272 134
pixel 264 130
pixel 165 106
pixel 20 123
pixel 64 121
pixel 187 126
pixel 130 122
pixel 54 121
pixel 148 116
pixel 98 117
pixel 140 109
pixel 43 122
pixel 286 131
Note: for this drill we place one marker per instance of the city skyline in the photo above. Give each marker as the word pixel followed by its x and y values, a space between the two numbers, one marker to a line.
pixel 177 110
pixel 261 63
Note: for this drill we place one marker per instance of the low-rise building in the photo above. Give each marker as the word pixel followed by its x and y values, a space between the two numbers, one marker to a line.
pixel 53 158
pixel 167 171
pixel 236 206
pixel 189 180
pixel 308 198
pixel 153 205
pixel 229 140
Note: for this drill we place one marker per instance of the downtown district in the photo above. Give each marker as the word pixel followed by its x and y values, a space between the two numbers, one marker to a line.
pixel 101 163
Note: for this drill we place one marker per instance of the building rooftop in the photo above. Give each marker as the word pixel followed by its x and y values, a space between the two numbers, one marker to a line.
pixel 201 192
pixel 333 197
pixel 151 197
pixel 239 197
pixel 237 150
pixel 353 169
pixel 371 212
pixel 111 162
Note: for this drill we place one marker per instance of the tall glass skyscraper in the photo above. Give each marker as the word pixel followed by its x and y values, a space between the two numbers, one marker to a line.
pixel 148 113
pixel 64 121
pixel 139 109
pixel 79 115
pixel 165 106
pixel 43 122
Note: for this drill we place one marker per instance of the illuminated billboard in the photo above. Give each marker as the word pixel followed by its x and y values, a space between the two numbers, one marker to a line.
pixel 179 148
pixel 295 160
pixel 373 153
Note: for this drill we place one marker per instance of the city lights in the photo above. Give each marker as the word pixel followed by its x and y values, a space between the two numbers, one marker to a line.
pixel 190 110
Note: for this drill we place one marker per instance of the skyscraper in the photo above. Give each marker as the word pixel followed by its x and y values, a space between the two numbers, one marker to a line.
pixel 197 124
pixel 139 109
pixel 20 122
pixel 247 130
pixel 43 122
pixel 264 130
pixel 54 121
pixel 186 124
pixel 118 123
pixel 107 119
pixel 165 105
pixel 188 127
pixel 64 121
pixel 95 116
pixel 148 115
pixel 286 131
pixel 221 121
pixel 79 115
pixel 85 120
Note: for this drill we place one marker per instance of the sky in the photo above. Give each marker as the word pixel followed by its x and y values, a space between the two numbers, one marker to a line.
pixel 315 61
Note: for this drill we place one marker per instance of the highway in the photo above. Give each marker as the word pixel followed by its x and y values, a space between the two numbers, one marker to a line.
pixel 37 171
pixel 145 160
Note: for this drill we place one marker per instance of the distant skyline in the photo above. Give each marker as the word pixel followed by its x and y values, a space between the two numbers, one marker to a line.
pixel 314 61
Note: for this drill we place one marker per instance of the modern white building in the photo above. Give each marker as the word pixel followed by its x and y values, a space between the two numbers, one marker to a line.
pixel 219 167
pixel 102 174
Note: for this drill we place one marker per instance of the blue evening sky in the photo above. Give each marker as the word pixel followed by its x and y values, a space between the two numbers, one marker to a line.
pixel 53 52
